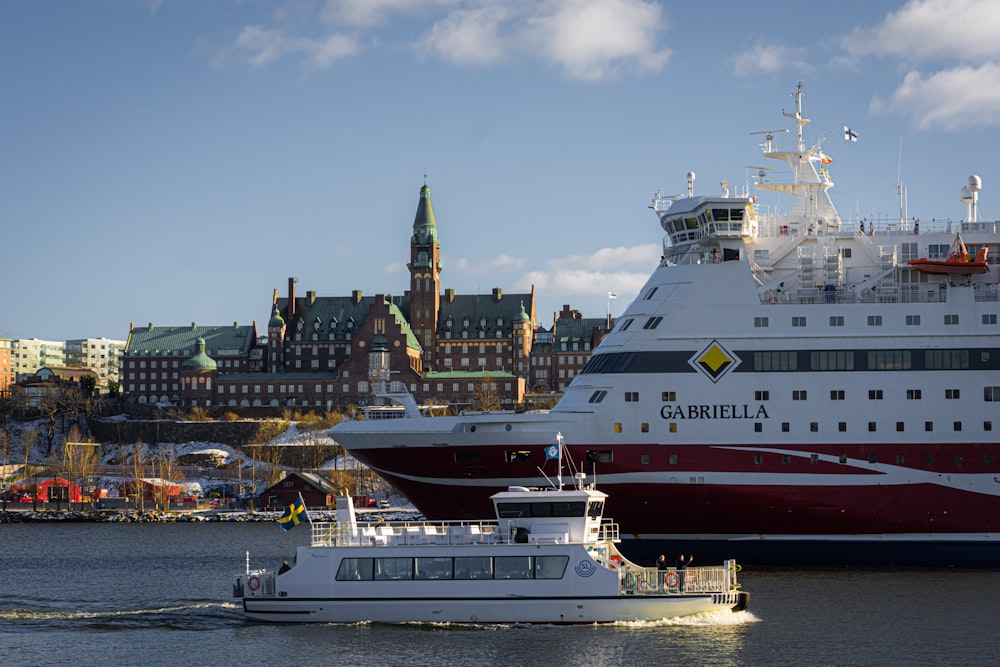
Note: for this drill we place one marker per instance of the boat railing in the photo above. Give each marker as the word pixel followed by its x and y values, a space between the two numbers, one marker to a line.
pixel 896 294
pixel 693 580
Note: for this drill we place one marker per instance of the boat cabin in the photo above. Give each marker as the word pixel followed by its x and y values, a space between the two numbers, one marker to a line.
pixel 553 516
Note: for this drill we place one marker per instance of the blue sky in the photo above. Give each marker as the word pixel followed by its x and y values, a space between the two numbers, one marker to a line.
pixel 175 161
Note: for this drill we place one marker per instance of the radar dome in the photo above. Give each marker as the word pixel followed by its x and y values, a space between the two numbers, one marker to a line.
pixel 690 175
pixel 965 196
pixel 975 183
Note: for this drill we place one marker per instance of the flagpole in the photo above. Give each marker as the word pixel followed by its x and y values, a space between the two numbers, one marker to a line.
pixel 305 509
pixel 559 444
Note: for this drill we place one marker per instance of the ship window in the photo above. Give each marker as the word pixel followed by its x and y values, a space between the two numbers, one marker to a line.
pixel 987 457
pixel 595 510
pixel 951 320
pixel 843 458
pixel 432 568
pixel 873 458
pixel 598 396
pixel 937 251
pixel 836 320
pixel 736 214
pixel 798 321
pixel 516 456
pixel 550 567
pixel 474 567
pixel 958 459
pixel 832 360
pixel 758 427
pixel 958 426
pixel 987 426
pixel 951 393
pixel 673 427
pixel 946 359
pixel 814 458
pixel 842 427
pixel 758 458
pixel 644 459
pixel 785 427
pixel 814 427
pixel 650 293
pixel 513 567
pixel 600 455
pixel 899 426
pixel 786 459
pixel 871 426
pixel 900 459
pixel 760 322
pixel 836 394
pixel 672 459
pixel 799 394
pixel 626 324
pixel 652 322
pixel 990 318
pixel 761 395
pixel 928 426
pixel 991 394
pixel 874 320
pixel 889 360
pixel 776 361
pixel 466 457
pixel 874 394
pixel 720 214
pixel 644 427
pixel 669 396
pixel 913 394
pixel 845 253
pixel 355 569
pixel 928 459
pixel 631 397
pixel 393 569
pixel 912 320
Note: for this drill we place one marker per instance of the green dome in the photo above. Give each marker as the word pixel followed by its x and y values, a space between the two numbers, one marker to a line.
pixel 379 343
pixel 200 361
pixel 522 316
pixel 276 319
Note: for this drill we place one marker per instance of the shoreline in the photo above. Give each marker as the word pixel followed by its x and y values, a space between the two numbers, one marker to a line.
pixel 177 516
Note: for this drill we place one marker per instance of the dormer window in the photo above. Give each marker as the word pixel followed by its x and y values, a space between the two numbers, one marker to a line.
pixel 499 321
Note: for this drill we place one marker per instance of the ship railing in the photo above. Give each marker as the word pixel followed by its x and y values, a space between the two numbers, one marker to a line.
pixel 693 580
pixel 404 532
pixel 608 531
pixel 897 294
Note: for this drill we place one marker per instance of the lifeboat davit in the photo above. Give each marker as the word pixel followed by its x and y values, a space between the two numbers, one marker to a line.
pixel 957 264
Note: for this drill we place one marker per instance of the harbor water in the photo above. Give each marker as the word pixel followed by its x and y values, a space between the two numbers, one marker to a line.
pixel 159 594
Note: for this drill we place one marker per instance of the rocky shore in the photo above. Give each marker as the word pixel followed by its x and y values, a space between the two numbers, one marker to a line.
pixel 180 516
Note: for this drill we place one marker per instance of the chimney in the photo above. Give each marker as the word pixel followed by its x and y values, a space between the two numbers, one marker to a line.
pixel 497 293
pixel 449 295
pixel 291 297
pixel 356 295
pixel 311 297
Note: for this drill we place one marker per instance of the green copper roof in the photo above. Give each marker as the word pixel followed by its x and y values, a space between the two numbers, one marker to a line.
pixel 199 361
pixel 522 316
pixel 276 319
pixel 160 341
pixel 424 224
pixel 475 312
pixel 338 316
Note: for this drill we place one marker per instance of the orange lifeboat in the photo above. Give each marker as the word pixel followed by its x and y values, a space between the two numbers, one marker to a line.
pixel 957 264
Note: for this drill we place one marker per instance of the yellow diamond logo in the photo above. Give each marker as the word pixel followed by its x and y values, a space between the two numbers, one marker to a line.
pixel 715 361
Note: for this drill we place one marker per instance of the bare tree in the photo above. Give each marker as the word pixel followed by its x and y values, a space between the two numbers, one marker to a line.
pixel 487 398
pixel 138 465
pixel 80 463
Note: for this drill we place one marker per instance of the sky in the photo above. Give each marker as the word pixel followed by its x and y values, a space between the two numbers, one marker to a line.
pixel 175 161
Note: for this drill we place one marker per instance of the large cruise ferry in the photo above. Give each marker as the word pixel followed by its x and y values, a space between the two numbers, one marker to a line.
pixel 785 388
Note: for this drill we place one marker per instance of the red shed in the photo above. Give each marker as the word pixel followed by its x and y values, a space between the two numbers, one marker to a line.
pixel 75 492
pixel 317 491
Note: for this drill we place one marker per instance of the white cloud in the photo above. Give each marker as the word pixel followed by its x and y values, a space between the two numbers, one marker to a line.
pixel 623 270
pixel 596 39
pixel 932 29
pixel 586 39
pixel 769 58
pixel 962 97
pixel 490 266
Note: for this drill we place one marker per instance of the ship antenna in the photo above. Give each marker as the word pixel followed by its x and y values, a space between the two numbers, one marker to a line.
pixel 559 444
pixel 248 562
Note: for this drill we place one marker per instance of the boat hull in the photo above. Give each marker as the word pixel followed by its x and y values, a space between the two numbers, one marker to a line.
pixel 505 610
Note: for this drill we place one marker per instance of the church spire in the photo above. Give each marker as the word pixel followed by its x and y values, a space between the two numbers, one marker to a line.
pixel 424 224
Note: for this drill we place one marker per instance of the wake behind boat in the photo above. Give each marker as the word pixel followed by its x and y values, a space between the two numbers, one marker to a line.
pixel 549 557
pixel 785 388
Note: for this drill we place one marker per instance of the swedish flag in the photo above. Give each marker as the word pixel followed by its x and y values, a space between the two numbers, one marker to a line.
pixel 294 514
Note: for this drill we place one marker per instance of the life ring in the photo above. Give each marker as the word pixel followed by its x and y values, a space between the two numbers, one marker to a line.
pixel 253 583
pixel 772 299
pixel 672 580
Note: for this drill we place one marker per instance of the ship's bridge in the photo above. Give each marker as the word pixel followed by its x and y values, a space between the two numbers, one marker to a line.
pixel 699 219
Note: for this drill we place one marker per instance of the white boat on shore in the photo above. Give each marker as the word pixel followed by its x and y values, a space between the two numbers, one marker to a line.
pixel 549 557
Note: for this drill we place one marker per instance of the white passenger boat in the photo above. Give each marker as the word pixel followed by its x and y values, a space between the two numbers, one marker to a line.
pixel 549 557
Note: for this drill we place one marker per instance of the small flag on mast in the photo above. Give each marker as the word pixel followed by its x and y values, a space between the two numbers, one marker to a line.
pixel 849 134
pixel 612 295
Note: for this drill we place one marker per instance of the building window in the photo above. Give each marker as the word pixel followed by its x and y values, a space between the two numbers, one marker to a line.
pixel 644 427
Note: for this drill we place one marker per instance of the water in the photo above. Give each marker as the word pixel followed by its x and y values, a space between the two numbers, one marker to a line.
pixel 159 594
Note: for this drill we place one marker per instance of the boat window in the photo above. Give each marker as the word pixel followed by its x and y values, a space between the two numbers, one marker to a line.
pixel 989 318
pixel 736 214
pixel 516 456
pixel 598 396
pixel 600 455
pixel 626 324
pixel 393 568
pixel 355 569
pixel 550 567
pixel 720 214
pixel 775 361
pixel 652 322
pixel 474 568
pixel 513 567
pixel 432 568
pixel 946 359
pixel 513 510
pixel 567 509
pixel 889 360
pixel 991 394
pixel 595 510
pixel 650 293
pixel 691 223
